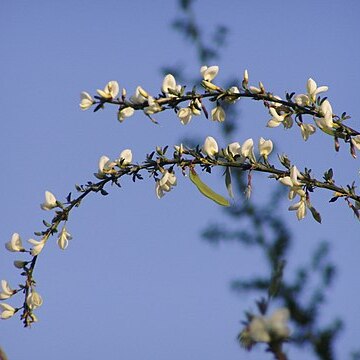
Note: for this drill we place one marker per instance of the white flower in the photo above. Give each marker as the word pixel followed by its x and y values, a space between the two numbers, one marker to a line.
pixel 325 123
pixel 165 184
pixel 234 149
pixel 355 140
pixel 34 300
pixel 185 115
pixel 300 208
pixel 125 113
pixel 234 90
pixel 86 100
pixel 307 130
pixel 50 201
pixel 7 311
pixel 302 100
pixel 6 290
pixel 293 182
pixel 210 146
pixel 265 147
pixel 63 238
pixel 105 164
pixel 258 331
pixel 110 91
pixel 266 329
pixel 247 150
pixel 209 73
pixel 125 157
pixel 140 96
pixel 15 244
pixel 153 106
pixel 313 89
pixel 38 246
pixel 218 114
pixel 169 83
pixel 276 119
pixel 312 92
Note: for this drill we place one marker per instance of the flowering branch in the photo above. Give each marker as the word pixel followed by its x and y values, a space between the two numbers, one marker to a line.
pixel 173 95
pixel 161 168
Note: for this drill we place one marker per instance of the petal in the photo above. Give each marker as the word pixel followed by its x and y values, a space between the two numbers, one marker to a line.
pixel 311 87
pixel 102 162
pixel 210 146
pixel 234 148
pixel 209 73
pixel 126 156
pixel 169 82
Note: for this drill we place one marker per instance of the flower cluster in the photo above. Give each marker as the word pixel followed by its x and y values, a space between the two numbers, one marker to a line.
pixel 237 151
pixel 107 166
pixel 296 188
pixel 267 329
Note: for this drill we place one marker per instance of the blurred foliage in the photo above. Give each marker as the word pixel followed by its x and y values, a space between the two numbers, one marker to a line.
pixel 261 226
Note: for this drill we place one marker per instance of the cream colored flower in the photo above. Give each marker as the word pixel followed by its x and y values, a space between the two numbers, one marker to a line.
pixel 140 96
pixel 105 164
pixel 153 106
pixel 209 73
pixel 232 97
pixel 63 238
pixel 247 150
pixel 185 115
pixel 276 119
pixel 7 311
pixel 86 101
pixel 125 113
pixel 313 90
pixel 169 86
pixel 265 147
pixel 302 100
pixel 234 149
pixel 110 91
pixel 125 157
pixel 218 114
pixel 307 130
pixel 165 184
pixel 210 146
pixel 325 122
pixel 266 329
pixel 15 244
pixel 34 300
pixel 6 290
pixel 300 208
pixel 50 201
pixel 37 246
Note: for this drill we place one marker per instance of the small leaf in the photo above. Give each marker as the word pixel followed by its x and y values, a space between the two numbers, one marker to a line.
pixel 206 191
pixel 228 182
pixel 316 215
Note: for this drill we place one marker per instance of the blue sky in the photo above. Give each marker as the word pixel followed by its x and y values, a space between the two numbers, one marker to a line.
pixel 137 281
